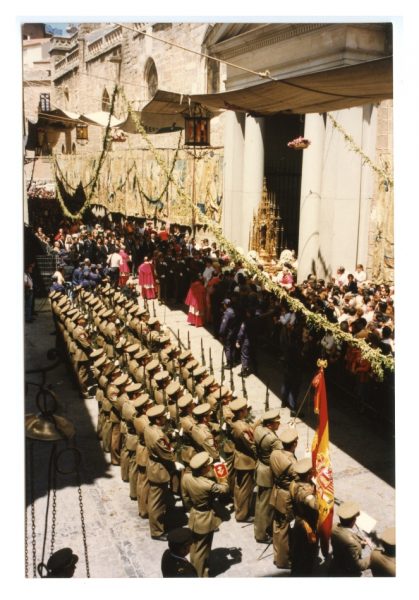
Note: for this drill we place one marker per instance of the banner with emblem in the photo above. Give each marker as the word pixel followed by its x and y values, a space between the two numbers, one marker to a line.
pixel 321 461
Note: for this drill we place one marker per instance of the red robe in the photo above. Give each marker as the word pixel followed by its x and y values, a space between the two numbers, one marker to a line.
pixel 196 300
pixel 147 281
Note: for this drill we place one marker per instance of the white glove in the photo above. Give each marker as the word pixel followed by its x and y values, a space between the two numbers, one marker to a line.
pixel 224 426
pixel 179 466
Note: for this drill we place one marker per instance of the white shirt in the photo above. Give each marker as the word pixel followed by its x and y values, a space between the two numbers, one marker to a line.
pixel 114 260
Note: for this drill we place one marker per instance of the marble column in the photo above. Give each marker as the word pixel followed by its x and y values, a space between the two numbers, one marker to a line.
pixel 233 170
pixel 253 171
pixel 311 184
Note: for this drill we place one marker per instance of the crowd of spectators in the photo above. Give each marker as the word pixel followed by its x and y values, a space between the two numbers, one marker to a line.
pixel 233 305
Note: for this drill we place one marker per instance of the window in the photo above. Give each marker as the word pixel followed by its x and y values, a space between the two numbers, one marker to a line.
pixel 151 78
pixel 106 102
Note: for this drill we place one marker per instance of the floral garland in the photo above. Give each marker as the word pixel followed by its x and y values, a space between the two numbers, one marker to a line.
pixel 386 176
pixel 105 150
pixel 377 360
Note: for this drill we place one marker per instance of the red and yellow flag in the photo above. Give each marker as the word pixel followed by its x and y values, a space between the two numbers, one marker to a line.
pixel 321 463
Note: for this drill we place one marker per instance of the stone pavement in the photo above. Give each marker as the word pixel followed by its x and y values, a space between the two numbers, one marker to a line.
pixel 119 544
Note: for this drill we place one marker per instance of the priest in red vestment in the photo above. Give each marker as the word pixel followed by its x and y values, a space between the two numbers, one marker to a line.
pixel 196 300
pixel 147 280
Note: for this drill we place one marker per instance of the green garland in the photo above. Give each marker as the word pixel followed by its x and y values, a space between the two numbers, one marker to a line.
pixel 95 179
pixel 385 175
pixel 378 361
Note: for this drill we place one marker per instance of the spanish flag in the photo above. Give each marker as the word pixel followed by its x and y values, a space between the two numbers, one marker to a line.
pixel 321 462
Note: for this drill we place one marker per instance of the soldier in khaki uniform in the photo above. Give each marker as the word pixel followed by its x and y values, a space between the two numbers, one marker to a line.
pixel 169 359
pixel 160 468
pixel 204 387
pixel 184 357
pixel 347 545
pixel 186 424
pixel 153 334
pixel 304 539
pixel 143 357
pixel 244 460
pixel 282 464
pixel 113 391
pixel 141 421
pixel 196 377
pixel 128 435
pixel 173 392
pixel 200 491
pixel 97 368
pixel 162 380
pixel 151 369
pixel 201 434
pixel 266 441
pixel 383 560
pixel 83 348
pixel 186 372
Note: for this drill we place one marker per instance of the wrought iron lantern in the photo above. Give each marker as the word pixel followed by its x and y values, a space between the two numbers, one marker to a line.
pixel 197 130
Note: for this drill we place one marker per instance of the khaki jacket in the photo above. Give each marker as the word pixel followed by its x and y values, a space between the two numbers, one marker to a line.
pixel 266 441
pixel 381 564
pixel 203 440
pixel 200 492
pixel 140 423
pixel 347 553
pixel 161 457
pixel 244 446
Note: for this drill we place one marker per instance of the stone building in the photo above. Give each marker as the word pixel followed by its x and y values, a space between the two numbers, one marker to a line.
pixel 333 208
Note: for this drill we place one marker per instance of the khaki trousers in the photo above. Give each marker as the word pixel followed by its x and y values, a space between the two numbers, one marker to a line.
pixel 106 435
pixel 264 513
pixel 116 444
pixel 132 475
pixel 124 460
pixel 157 502
pixel 244 484
pixel 280 541
pixel 200 551
pixel 143 489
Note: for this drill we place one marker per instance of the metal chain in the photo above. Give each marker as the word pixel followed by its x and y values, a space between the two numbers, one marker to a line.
pixel 32 493
pixel 83 526
pixel 54 516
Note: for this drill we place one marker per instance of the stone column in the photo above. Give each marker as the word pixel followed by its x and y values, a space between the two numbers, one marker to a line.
pixel 253 170
pixel 233 169
pixel 311 184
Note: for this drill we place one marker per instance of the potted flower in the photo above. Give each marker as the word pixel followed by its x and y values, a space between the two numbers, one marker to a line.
pixel 299 143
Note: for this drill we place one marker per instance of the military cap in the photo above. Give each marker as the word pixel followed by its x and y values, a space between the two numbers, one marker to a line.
pixel 128 411
pixel 66 309
pixel 271 415
pixel 97 352
pixel 202 409
pixel 170 350
pixel 153 321
pixel 102 311
pixel 172 388
pixel 54 295
pixel 348 510
pixel 287 436
pixel 129 304
pixel 223 392
pixel 238 404
pixel 62 559
pixel 142 311
pixel 134 309
pixel 163 339
pixel 303 466
pixel 156 411
pixel 200 460
pixel 208 381
pixel 389 536
pixel 119 344
pixel 80 317
pixel 180 536
pixel 132 348
pixel 141 400
pixel 121 380
pixel 140 354
pixel 107 313
pixel 95 301
pixel 198 371
pixel 161 375
pixel 185 400
pixel 133 387
pixel 100 362
pixel 184 355
pixel 153 364
pixel 192 364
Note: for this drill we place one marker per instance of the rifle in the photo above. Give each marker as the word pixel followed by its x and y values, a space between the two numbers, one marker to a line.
pixel 154 310
pixel 189 342
pixel 267 399
pixel 211 367
pixel 231 380
pixel 244 390
pixel 202 354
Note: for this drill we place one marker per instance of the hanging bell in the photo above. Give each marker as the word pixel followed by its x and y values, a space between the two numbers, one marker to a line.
pixel 48 428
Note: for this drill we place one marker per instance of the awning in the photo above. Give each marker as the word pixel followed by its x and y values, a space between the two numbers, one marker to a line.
pixel 101 117
pixel 333 89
